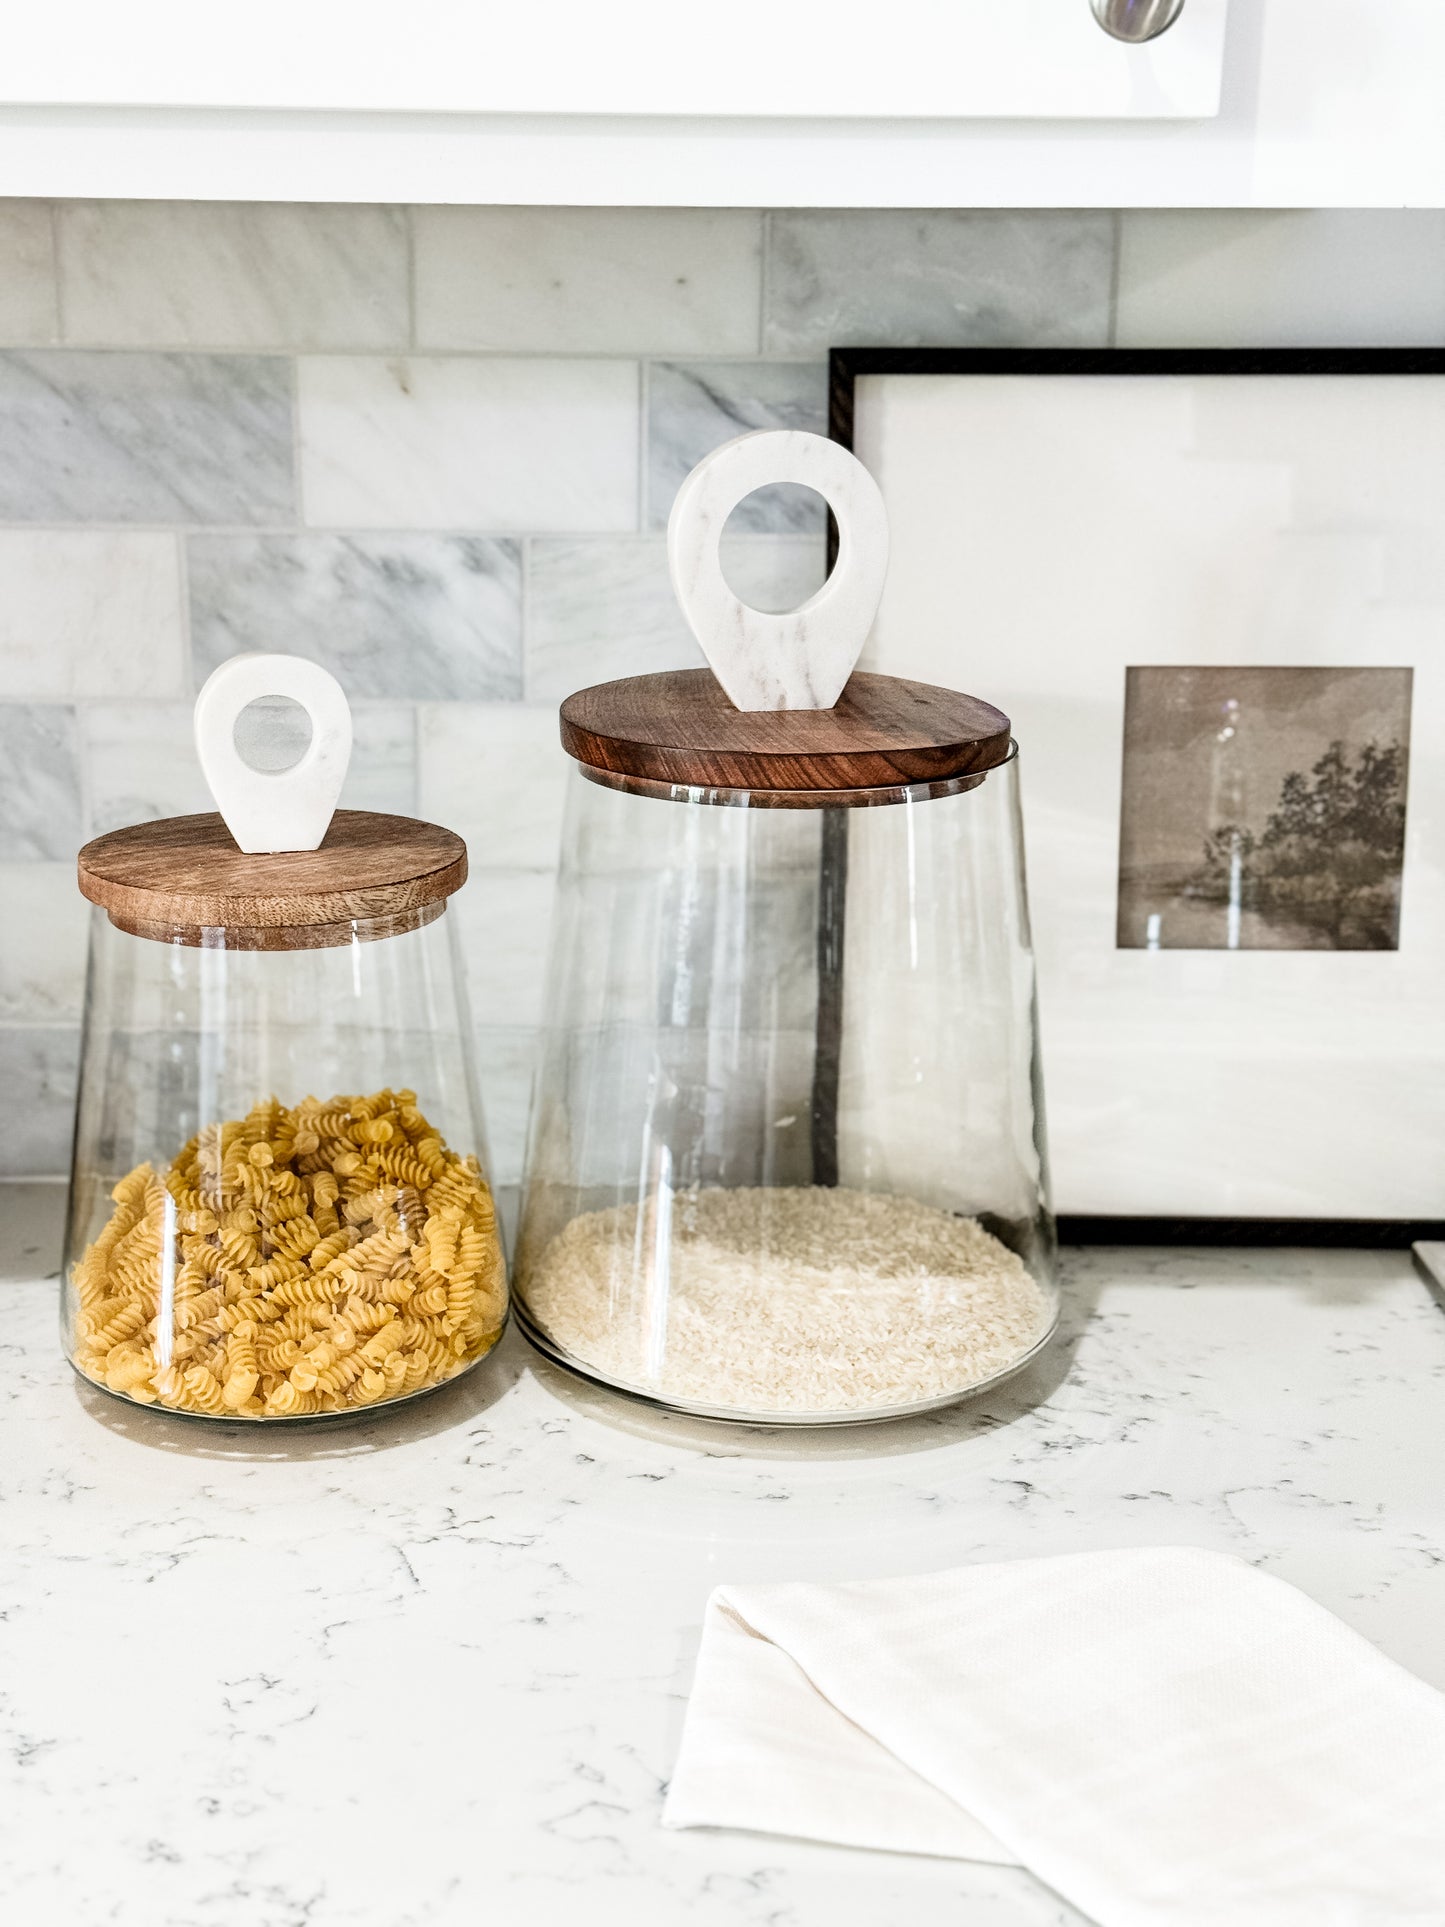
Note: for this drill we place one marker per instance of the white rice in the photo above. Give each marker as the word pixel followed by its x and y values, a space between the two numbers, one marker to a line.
pixel 787 1301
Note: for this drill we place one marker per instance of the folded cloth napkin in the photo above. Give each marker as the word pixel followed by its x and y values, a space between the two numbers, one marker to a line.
pixel 1167 1737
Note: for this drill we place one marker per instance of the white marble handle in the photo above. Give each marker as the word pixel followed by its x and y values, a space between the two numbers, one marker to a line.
pixel 802 659
pixel 269 810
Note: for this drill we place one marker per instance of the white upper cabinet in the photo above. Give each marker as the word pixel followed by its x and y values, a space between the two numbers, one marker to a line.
pixel 929 103
pixel 906 59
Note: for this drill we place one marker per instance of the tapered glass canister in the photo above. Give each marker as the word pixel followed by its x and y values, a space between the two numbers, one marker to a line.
pixel 787 1158
pixel 279 1204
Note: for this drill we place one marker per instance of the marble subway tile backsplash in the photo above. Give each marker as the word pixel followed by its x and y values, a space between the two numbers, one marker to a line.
pixel 405 617
pixel 383 774
pixel 505 1055
pixel 145 438
pixel 502 918
pixel 602 606
pixel 601 599
pixel 233 275
pixel 140 762
pixel 40 808
pixel 29 311
pixel 877 277
pixel 91 612
pixel 434 449
pixel 692 406
pixel 1351 277
pixel 42 955
pixel 500 444
pixel 38 1063
pixel 495 773
pixel 589 280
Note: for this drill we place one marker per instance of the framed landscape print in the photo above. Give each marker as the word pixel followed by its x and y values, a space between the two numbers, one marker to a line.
pixel 1263 809
pixel 1209 590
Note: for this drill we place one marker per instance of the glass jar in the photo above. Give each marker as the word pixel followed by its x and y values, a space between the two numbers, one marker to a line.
pixel 279 1206
pixel 786 1158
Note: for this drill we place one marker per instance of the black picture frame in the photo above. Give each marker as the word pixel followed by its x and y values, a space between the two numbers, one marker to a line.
pixel 845 367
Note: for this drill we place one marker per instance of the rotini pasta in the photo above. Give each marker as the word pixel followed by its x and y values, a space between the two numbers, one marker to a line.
pixel 298 1260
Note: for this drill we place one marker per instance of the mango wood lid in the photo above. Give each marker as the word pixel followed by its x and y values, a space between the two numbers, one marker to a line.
pixel 679 729
pixel 183 877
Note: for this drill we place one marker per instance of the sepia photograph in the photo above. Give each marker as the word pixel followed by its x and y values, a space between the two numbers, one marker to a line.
pixel 1263 809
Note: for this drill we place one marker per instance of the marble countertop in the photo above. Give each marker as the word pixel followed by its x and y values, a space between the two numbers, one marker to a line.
pixel 431 1669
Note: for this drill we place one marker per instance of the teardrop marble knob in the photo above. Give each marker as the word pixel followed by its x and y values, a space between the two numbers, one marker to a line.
pixel 801 659
pixel 270 810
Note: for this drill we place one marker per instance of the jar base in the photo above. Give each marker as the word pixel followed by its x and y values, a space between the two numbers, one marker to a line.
pixel 269 1421
pixel 733 1415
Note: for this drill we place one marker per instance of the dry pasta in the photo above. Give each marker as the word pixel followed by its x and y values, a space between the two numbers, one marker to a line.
pixel 298 1260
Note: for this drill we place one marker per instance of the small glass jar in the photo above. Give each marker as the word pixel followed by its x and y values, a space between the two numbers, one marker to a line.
pixel 787 1158
pixel 279 1206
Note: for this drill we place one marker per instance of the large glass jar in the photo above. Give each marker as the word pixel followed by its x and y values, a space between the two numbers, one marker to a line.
pixel 787 1157
pixel 279 1206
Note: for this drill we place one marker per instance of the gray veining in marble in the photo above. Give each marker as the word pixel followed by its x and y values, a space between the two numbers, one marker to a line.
pixel 535 1557
pixel 405 616
pixel 39 782
pixel 880 278
pixel 601 607
pixel 38 1066
pixel 233 274
pixel 145 438
pixel 693 406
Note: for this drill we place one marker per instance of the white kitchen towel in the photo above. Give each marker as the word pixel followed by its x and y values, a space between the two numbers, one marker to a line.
pixel 1165 1736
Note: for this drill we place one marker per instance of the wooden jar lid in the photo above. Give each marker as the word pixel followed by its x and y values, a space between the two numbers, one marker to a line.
pixel 679 729
pixel 182 877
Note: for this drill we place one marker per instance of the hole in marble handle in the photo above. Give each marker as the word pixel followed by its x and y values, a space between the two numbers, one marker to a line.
pixel 272 733
pixel 773 551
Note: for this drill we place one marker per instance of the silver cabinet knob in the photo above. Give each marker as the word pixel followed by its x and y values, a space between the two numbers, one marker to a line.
pixel 1136 20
